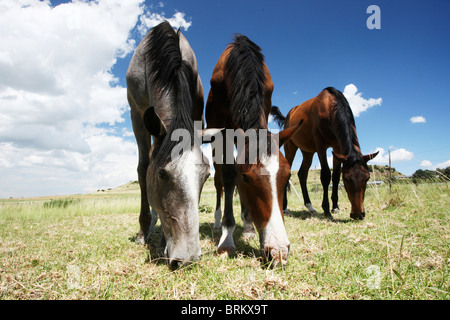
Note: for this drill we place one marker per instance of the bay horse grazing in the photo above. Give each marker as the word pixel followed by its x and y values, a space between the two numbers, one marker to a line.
pixel 165 94
pixel 240 98
pixel 328 122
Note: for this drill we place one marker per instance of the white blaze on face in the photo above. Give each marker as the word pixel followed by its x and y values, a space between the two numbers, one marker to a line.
pixel 275 235
pixel 189 170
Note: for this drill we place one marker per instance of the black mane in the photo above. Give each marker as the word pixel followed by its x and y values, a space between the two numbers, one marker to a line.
pixel 245 68
pixel 345 127
pixel 170 73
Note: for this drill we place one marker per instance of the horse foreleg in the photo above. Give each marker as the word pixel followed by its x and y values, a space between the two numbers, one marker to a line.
pixel 335 179
pixel 289 149
pixel 144 143
pixel 219 190
pixel 249 229
pixel 325 179
pixel 154 215
pixel 226 242
pixel 144 215
pixel 303 177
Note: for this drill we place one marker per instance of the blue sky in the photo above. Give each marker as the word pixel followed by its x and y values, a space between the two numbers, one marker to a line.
pixel 309 45
pixel 64 119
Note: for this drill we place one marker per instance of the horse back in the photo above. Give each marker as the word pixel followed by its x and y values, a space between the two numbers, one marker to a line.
pixel 141 95
pixel 217 111
pixel 316 131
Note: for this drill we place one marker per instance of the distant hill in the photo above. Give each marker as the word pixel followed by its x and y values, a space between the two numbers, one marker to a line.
pixel 127 187
pixel 377 173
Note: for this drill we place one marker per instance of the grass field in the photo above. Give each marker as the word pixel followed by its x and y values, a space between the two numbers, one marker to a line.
pixel 82 247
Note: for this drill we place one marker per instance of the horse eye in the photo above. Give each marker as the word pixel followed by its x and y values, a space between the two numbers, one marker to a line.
pixel 162 174
pixel 245 178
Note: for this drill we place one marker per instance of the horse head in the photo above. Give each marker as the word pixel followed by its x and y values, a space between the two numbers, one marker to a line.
pixel 174 185
pixel 355 175
pixel 261 184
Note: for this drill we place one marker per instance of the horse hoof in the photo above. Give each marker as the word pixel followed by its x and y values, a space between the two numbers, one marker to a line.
pixel 335 210
pixel 310 208
pixel 276 257
pixel 140 239
pixel 330 217
pixel 226 251
pixel 248 235
pixel 357 216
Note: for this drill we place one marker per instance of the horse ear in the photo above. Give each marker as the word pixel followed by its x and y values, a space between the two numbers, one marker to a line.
pixel 341 158
pixel 153 123
pixel 369 157
pixel 286 134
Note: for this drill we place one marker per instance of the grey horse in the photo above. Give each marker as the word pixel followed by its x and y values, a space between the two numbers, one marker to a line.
pixel 165 94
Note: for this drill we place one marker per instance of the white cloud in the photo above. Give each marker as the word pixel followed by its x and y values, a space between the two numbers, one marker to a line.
pixel 149 20
pixel 443 165
pixel 418 119
pixel 426 164
pixel 429 165
pixel 60 103
pixel 397 155
pixel 357 103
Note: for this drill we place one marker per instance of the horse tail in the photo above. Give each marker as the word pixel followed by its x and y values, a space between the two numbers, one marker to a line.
pixel 277 116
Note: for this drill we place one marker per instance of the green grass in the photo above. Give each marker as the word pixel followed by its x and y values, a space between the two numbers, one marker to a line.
pixel 82 247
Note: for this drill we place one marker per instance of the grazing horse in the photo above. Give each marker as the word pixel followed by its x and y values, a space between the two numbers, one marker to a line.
pixel 240 100
pixel 165 94
pixel 328 122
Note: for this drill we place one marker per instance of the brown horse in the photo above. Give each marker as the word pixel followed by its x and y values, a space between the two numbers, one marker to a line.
pixel 166 96
pixel 240 98
pixel 328 122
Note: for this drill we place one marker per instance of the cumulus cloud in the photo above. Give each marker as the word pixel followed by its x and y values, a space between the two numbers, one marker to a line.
pixel 426 164
pixel 358 104
pixel 397 155
pixel 418 119
pixel 150 19
pixel 429 165
pixel 60 103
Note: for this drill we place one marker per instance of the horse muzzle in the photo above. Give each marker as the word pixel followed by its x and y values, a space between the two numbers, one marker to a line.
pixel 182 254
pixel 358 216
pixel 276 257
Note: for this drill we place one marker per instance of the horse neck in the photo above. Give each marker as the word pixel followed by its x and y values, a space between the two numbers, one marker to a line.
pixel 347 139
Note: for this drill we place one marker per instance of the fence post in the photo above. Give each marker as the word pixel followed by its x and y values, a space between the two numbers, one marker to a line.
pixel 390 171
